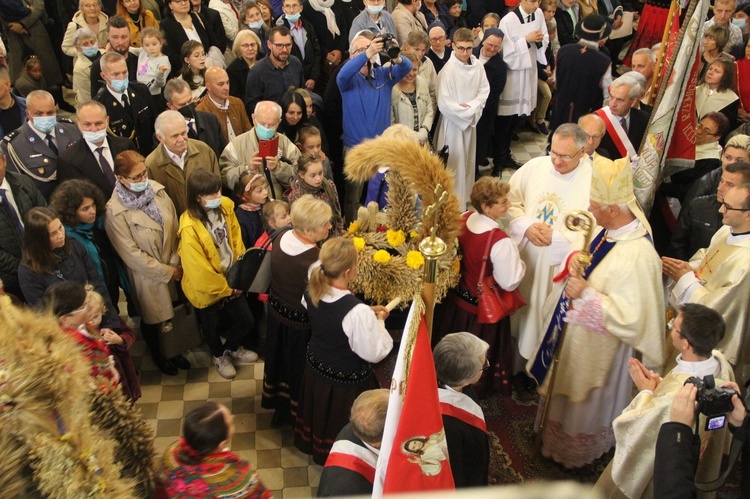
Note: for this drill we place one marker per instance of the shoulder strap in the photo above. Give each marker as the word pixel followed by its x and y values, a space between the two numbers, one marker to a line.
pixel 485 256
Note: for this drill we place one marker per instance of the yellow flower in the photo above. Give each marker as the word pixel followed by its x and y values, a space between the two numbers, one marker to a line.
pixel 414 234
pixel 353 227
pixel 381 256
pixel 414 259
pixel 359 243
pixel 395 237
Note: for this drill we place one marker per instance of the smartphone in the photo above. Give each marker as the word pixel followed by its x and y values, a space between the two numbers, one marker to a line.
pixel 268 148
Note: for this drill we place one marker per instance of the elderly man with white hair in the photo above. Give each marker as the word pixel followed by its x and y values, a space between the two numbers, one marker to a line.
pixel 626 124
pixel 177 157
pixel 643 61
pixel 243 153
pixel 460 360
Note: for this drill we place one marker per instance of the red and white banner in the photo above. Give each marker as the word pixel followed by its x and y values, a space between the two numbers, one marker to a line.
pixel 672 128
pixel 413 452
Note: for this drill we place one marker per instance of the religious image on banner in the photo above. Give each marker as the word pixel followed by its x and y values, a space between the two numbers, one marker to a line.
pixel 430 453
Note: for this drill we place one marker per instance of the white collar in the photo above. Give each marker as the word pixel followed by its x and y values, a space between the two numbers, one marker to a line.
pixel 223 106
pixel 628 227
pixel 4 185
pixel 698 368
pixel 94 147
pixel 733 240
pixel 180 160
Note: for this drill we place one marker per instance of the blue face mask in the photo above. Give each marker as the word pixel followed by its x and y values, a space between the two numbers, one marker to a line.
pixel 139 186
pixel 375 9
pixel 212 204
pixel 740 23
pixel 95 137
pixel 292 18
pixel 45 124
pixel 256 25
pixel 263 132
pixel 91 51
pixel 119 85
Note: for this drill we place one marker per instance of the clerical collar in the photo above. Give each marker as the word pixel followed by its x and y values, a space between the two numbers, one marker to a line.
pixel 521 9
pixel 223 106
pixel 739 234
pixel 699 368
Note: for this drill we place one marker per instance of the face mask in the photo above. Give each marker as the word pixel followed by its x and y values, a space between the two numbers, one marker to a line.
pixel 212 204
pixel 188 111
pixel 95 137
pixel 263 132
pixel 45 124
pixel 139 186
pixel 740 23
pixel 119 85
pixel 256 25
pixel 292 18
pixel 91 51
pixel 374 9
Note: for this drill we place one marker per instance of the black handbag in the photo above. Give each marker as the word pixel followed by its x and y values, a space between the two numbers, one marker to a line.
pixel 252 271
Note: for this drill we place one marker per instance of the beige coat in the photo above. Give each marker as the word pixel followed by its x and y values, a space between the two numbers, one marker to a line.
pixel 239 152
pixel 402 111
pixel 406 22
pixel 148 251
pixel 80 22
pixel 163 170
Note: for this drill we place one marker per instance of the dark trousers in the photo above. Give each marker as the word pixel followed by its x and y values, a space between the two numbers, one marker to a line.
pixel 485 128
pixel 236 314
pixel 504 126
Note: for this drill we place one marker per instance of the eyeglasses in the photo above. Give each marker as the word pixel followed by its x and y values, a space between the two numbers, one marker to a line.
pixel 248 45
pixel 286 46
pixel 701 128
pixel 463 49
pixel 486 364
pixel 564 157
pixel 138 178
pixel 596 137
pixel 437 38
pixel 94 5
pixel 729 208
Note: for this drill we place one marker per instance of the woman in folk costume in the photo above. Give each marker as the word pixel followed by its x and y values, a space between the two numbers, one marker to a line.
pixel 651 26
pixel 288 325
pixel 347 335
pixel 481 237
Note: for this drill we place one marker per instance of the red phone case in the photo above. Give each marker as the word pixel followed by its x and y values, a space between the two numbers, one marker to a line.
pixel 268 148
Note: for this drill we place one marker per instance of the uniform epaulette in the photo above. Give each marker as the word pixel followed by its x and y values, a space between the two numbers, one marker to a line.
pixel 66 120
pixel 12 135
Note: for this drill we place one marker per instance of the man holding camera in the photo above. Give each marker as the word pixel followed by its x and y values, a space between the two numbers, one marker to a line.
pixel 678 448
pixel 694 333
pixel 366 98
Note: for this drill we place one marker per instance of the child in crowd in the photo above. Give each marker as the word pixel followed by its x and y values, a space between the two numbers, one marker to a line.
pixel 309 139
pixel 377 186
pixel 31 78
pixel 69 303
pixel 252 193
pixel 312 117
pixel 346 337
pixel 194 68
pixel 490 20
pixel 118 345
pixel 88 51
pixel 310 180
pixel 276 214
pixel 153 65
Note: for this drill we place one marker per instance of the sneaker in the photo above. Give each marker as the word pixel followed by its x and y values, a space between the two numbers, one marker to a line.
pixel 243 356
pixel 224 366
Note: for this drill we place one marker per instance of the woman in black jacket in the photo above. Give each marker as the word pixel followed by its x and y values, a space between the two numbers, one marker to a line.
pixel 176 27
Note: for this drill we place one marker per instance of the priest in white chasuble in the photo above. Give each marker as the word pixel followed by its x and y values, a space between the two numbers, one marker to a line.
pixel 613 308
pixel 462 90
pixel 542 193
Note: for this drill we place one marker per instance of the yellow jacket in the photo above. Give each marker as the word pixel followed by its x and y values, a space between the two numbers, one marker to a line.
pixel 203 280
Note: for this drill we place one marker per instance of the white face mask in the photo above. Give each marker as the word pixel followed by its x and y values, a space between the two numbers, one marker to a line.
pixel 374 9
pixel 95 137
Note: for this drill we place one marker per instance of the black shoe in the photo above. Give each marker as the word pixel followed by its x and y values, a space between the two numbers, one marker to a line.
pixel 542 128
pixel 512 164
pixel 165 366
pixel 532 126
pixel 180 362
pixel 64 106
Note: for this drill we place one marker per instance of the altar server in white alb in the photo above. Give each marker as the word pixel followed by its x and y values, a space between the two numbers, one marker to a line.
pixel 526 39
pixel 462 91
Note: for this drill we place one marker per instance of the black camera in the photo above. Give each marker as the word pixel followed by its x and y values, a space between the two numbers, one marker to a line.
pixel 390 47
pixel 713 402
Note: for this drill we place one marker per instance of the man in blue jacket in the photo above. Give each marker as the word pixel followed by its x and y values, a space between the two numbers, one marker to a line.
pixel 366 97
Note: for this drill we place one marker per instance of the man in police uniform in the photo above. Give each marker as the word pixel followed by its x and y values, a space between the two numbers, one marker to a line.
pixel 127 103
pixel 32 149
